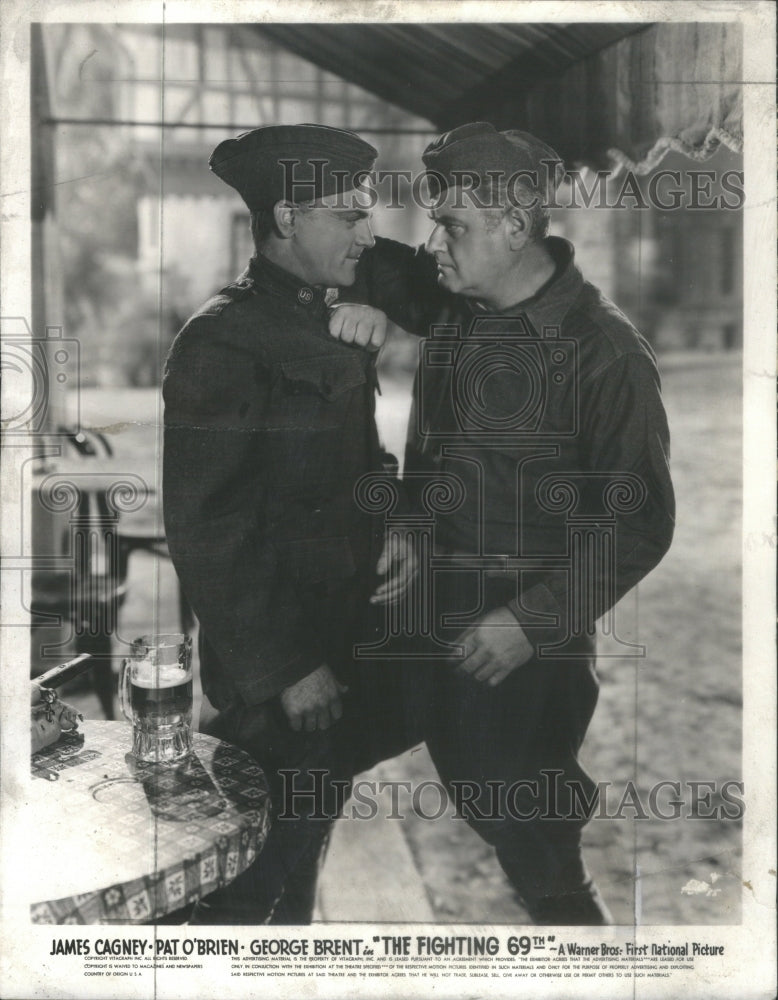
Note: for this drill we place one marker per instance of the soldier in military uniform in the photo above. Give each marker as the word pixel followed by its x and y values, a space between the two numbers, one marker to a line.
pixel 541 401
pixel 269 423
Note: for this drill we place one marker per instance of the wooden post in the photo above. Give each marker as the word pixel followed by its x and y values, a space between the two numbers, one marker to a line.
pixel 48 317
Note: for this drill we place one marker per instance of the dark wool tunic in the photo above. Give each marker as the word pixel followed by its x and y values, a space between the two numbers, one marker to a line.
pixel 269 423
pixel 549 417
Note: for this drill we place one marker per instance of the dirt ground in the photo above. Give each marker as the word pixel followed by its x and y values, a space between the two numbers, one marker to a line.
pixel 672 715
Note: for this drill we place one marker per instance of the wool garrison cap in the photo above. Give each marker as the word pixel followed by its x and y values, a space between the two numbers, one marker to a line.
pixel 478 148
pixel 298 163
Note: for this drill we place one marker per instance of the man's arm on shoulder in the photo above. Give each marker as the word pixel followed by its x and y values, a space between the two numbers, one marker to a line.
pixel 402 282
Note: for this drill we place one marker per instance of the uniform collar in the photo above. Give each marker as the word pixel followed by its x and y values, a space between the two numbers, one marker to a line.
pixel 267 275
pixel 550 304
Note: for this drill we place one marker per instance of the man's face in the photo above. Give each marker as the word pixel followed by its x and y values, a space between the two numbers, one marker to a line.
pixel 330 237
pixel 469 245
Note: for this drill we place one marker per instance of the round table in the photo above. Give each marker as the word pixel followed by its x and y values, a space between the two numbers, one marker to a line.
pixel 119 841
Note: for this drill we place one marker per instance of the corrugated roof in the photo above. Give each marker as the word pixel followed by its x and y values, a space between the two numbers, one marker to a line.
pixel 447 73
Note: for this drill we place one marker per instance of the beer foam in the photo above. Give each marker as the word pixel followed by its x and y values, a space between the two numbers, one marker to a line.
pixel 146 675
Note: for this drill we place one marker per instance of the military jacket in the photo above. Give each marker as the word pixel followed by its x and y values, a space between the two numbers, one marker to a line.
pixel 548 419
pixel 269 424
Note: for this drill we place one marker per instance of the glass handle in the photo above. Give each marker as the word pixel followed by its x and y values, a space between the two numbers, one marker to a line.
pixel 124 690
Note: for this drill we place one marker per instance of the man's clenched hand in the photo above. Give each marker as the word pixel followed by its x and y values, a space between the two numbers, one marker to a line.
pixel 313 702
pixel 360 325
pixel 494 647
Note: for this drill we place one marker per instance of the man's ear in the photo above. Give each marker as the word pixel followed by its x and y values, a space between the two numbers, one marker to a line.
pixel 284 216
pixel 517 222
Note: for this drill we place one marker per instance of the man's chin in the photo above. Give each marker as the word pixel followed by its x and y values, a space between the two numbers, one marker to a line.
pixel 348 273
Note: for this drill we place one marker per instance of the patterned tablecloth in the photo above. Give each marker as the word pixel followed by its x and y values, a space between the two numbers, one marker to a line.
pixel 126 842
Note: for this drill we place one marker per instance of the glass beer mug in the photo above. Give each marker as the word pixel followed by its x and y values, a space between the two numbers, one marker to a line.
pixel 155 693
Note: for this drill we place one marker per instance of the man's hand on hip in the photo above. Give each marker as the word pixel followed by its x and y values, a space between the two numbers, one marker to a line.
pixel 360 325
pixel 313 702
pixel 494 647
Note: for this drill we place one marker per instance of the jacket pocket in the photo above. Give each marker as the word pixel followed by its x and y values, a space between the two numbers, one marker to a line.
pixel 313 395
pixel 328 377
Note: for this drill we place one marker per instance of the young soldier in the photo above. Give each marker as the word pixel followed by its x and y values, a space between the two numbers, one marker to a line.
pixel 269 423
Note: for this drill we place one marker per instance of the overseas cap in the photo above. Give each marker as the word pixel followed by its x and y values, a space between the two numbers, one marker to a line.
pixel 319 161
pixel 478 148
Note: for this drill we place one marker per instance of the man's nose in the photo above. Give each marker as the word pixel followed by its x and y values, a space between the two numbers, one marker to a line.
pixel 365 236
pixel 436 242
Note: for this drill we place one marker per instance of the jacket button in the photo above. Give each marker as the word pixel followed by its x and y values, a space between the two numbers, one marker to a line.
pixel 305 295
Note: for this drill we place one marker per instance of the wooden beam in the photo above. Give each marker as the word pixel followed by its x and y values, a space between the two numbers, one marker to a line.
pixel 47 295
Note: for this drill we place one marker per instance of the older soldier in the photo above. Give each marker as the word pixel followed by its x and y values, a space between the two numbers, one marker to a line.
pixel 269 423
pixel 540 401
